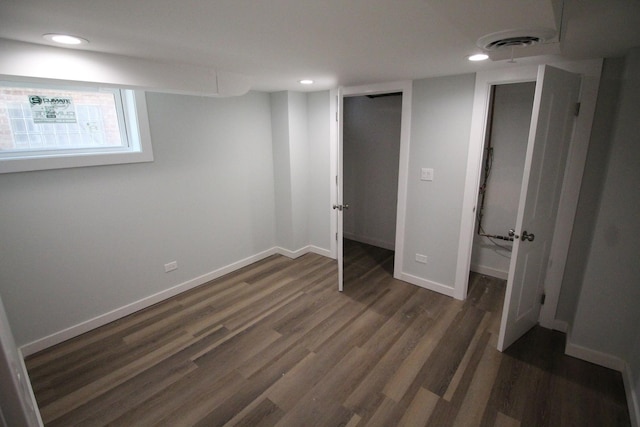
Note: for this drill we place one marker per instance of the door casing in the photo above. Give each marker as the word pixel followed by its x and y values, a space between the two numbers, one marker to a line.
pixel 405 129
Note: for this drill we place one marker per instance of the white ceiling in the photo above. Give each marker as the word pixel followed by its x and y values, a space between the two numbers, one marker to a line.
pixel 335 42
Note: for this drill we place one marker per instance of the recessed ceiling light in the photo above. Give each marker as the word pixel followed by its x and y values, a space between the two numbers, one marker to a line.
pixel 306 82
pixel 479 57
pixel 65 39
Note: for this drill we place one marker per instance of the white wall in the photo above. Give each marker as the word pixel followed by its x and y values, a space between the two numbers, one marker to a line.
pixel 591 189
pixel 606 321
pixel 441 121
pixel 300 124
pixel 371 149
pixel 27 61
pixel 299 156
pixel 513 104
pixel 607 313
pixel 282 169
pixel 78 243
pixel 319 176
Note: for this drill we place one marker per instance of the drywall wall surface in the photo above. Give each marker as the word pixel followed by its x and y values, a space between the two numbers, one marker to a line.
pixel 513 104
pixel 591 188
pixel 291 168
pixel 607 315
pixel 299 158
pixel 371 150
pixel 440 128
pixel 30 60
pixel 319 185
pixel 282 169
pixel 78 243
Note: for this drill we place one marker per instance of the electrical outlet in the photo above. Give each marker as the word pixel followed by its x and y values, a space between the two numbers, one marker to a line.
pixel 421 258
pixel 170 266
pixel 426 174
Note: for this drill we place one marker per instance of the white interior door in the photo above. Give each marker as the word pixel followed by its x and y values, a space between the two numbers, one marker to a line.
pixel 552 124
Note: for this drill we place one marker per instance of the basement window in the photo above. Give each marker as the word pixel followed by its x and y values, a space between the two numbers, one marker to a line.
pixel 48 126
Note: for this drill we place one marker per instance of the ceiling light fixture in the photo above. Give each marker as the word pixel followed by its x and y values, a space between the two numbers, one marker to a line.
pixel 65 39
pixel 478 57
pixel 306 82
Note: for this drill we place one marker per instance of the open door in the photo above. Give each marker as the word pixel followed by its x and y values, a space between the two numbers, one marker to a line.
pixel 552 124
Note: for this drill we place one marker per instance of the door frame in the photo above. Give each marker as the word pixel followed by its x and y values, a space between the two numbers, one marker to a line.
pixel 405 87
pixel 22 407
pixel 590 71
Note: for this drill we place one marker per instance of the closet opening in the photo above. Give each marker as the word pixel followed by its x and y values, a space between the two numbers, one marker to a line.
pixel 505 147
pixel 371 156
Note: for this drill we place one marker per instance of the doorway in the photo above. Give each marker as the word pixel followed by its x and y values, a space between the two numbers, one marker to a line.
pixel 553 122
pixel 341 205
pixel 505 146
pixel 371 154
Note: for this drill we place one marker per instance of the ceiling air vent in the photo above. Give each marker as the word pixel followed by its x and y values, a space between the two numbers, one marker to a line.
pixel 514 39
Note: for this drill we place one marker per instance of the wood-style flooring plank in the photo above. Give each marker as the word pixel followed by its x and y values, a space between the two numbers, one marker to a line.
pixel 275 344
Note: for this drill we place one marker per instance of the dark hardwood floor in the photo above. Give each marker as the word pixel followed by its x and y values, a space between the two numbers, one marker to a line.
pixel 276 344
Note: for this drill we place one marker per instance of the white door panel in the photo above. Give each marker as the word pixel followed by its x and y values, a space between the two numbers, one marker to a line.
pixel 550 134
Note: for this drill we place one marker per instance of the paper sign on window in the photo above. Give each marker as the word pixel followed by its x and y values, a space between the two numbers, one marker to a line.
pixel 52 109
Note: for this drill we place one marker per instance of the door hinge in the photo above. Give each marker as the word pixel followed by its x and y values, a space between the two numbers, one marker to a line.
pixel 336 179
pixel 336 237
pixel 543 297
pixel 577 109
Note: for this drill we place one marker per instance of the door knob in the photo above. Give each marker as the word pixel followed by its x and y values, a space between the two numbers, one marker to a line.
pixel 512 233
pixel 527 236
pixel 340 207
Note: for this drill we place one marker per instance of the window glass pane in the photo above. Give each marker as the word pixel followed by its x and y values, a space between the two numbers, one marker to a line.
pixel 14 111
pixel 58 119
pixel 22 141
pixel 18 125
pixel 63 140
pixel 30 126
pixel 35 141
pixel 50 140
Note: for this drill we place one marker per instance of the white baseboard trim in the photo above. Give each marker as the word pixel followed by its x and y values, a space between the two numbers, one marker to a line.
pixel 594 356
pixel 369 241
pixel 560 325
pixel 103 319
pixel 320 251
pixel 611 362
pixel 427 284
pixel 302 251
pixel 489 271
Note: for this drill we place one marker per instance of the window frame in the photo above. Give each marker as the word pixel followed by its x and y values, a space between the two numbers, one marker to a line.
pixel 131 108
